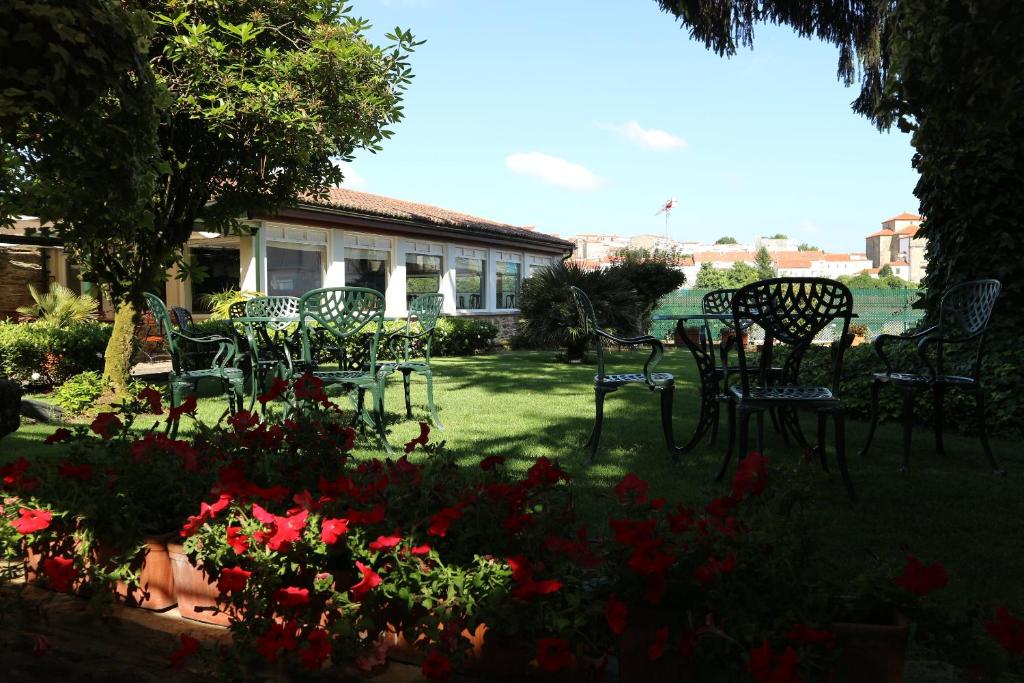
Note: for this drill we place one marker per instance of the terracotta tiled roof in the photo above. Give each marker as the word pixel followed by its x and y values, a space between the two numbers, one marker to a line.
pixel 794 259
pixel 844 257
pixel 713 256
pixel 909 230
pixel 898 263
pixel 904 217
pixel 425 214
pixel 883 233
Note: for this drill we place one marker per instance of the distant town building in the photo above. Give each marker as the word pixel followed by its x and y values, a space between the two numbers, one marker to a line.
pixel 775 244
pixel 898 246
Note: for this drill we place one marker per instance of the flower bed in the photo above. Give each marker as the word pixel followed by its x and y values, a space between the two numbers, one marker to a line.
pixel 312 557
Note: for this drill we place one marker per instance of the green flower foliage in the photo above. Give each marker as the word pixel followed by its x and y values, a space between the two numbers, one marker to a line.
pixel 80 392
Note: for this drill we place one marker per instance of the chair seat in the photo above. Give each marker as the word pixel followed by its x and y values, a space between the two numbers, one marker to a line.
pixel 784 393
pixel 344 377
pixel 411 365
pixel 914 379
pixel 638 377
pixel 226 373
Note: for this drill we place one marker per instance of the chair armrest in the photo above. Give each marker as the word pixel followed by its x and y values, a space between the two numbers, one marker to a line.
pixel 657 351
pixel 395 337
pixel 227 346
pixel 629 341
pixel 881 340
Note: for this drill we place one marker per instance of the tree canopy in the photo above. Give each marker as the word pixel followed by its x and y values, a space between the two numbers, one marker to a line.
pixel 739 274
pixel 863 280
pixel 726 240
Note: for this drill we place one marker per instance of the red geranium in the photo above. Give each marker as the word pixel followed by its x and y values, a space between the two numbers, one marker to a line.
pixel 31 521
pixel 553 654
pixel 291 596
pixel 751 476
pixel 232 579
pixel 61 572
pixel 437 667
pixel 189 646
pixel 187 406
pixel 615 611
pixel 106 425
pixel 154 398
pixel 921 579
pixel 768 667
pixel 332 529
pixel 317 650
pixel 283 530
pixel 632 489
pixel 370 580
pixel 1008 630
pixel 58 436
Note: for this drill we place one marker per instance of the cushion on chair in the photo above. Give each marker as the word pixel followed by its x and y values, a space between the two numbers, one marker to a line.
pixel 629 377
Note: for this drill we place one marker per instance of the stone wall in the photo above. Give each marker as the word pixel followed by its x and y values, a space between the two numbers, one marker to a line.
pixel 505 322
pixel 19 268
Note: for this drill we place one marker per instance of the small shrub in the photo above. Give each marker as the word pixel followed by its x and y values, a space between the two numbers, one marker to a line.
pixel 55 353
pixel 463 337
pixel 79 393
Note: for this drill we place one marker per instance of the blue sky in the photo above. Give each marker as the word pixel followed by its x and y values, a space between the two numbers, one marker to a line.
pixel 579 116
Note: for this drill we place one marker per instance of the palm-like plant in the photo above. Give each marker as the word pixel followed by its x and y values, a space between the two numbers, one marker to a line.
pixel 219 303
pixel 549 316
pixel 59 307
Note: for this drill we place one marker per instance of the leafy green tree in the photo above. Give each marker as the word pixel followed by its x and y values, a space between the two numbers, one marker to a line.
pixel 804 246
pixel 709 277
pixel 726 240
pixel 779 236
pixel 652 275
pixel 253 103
pixel 764 264
pixel 946 71
pixel 863 280
pixel 885 271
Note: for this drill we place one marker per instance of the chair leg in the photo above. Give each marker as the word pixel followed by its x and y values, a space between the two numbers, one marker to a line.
pixel 595 435
pixel 840 424
pixel 744 433
pixel 732 440
pixel 979 402
pixel 779 426
pixel 908 428
pixel 361 414
pixel 667 393
pixel 175 396
pixel 822 440
pixel 876 387
pixel 715 417
pixel 760 432
pixel 378 401
pixel 408 400
pixel 430 400
pixel 938 396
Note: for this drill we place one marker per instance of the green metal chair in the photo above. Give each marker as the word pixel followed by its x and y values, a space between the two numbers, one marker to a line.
pixel 604 383
pixel 343 313
pixel 273 340
pixel 964 315
pixel 181 379
pixel 425 308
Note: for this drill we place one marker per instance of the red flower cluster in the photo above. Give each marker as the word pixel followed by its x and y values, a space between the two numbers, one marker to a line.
pixel 59 436
pixel 1008 630
pixel 921 579
pixel 13 476
pixel 276 389
pixel 553 654
pixel 751 476
pixel 317 650
pixel 207 512
pixel 370 580
pixel 233 579
pixel 154 398
pixel 332 529
pixel 67 470
pixel 525 585
pixel 440 521
pixel 631 490
pixel 279 532
pixel 277 638
pixel 310 388
pixel 106 425
pixel 187 407
pixel 768 667
pixel 545 473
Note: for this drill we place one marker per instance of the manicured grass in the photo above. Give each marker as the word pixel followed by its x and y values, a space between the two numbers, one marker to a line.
pixel 526 404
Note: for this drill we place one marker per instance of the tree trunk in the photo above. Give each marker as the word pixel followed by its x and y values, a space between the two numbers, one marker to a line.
pixel 118 358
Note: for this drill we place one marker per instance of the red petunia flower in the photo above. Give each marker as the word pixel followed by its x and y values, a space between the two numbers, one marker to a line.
pixel 492 461
pixel 276 389
pixel 310 388
pixel 291 596
pixel 276 638
pixel 31 521
pixel 385 543
pixel 921 579
pixel 680 520
pixel 802 633
pixel 238 541
pixel 530 588
pixel 332 529
pixel 283 530
pixel 615 611
pixel 631 490
pixel 61 573
pixel 633 532
pixel 154 398
pixel 421 440
pixel 374 515
pixel 243 421
pixel 553 654
pixel 751 476
pixel 188 406
pixel 106 425
pixel 67 470
pixel 232 579
pixel 437 667
pixel 720 507
pixel 189 646
pixel 1008 630
pixel 440 521
pixel 648 559
pixel 420 550
pixel 317 650
pixel 546 473
pixel 370 580
pixel 516 523
pixel 59 436
pixel 768 667
pixel 656 649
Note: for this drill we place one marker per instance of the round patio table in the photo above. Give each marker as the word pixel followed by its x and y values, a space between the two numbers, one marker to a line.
pixel 257 335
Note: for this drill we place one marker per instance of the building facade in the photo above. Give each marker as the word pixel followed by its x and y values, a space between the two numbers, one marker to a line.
pixel 898 246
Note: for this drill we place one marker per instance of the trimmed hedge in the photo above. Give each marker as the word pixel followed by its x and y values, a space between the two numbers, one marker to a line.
pixel 56 353
pixel 1000 374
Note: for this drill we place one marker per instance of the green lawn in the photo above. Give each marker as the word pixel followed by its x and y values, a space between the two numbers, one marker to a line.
pixel 525 404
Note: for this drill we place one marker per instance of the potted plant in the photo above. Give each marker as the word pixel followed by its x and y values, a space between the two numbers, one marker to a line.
pixel 858 333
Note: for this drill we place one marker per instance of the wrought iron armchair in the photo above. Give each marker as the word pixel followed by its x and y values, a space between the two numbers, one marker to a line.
pixel 272 342
pixel 791 311
pixel 181 379
pixel 193 356
pixel 343 313
pixel 426 308
pixel 964 315
pixel 604 383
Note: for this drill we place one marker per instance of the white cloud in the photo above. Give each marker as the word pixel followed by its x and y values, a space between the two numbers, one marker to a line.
pixel 353 180
pixel 553 170
pixel 652 138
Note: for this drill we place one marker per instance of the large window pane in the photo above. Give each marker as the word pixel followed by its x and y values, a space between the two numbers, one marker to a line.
pixel 422 275
pixel 469 283
pixel 366 268
pixel 222 273
pixel 293 272
pixel 508 284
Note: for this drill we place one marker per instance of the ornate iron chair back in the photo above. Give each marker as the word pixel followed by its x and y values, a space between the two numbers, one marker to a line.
pixel 163 321
pixel 792 311
pixel 341 312
pixel 587 320
pixel 274 307
pixel 426 308
pixel 964 315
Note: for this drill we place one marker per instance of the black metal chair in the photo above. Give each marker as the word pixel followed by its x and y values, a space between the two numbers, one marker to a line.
pixel 604 383
pixel 791 311
pixel 964 315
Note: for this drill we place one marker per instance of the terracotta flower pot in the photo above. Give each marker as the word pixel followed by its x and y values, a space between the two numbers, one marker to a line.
pixel 156 580
pixel 872 653
pixel 195 590
pixel 65 546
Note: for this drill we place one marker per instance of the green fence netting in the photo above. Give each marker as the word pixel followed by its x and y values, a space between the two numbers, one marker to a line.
pixel 883 311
